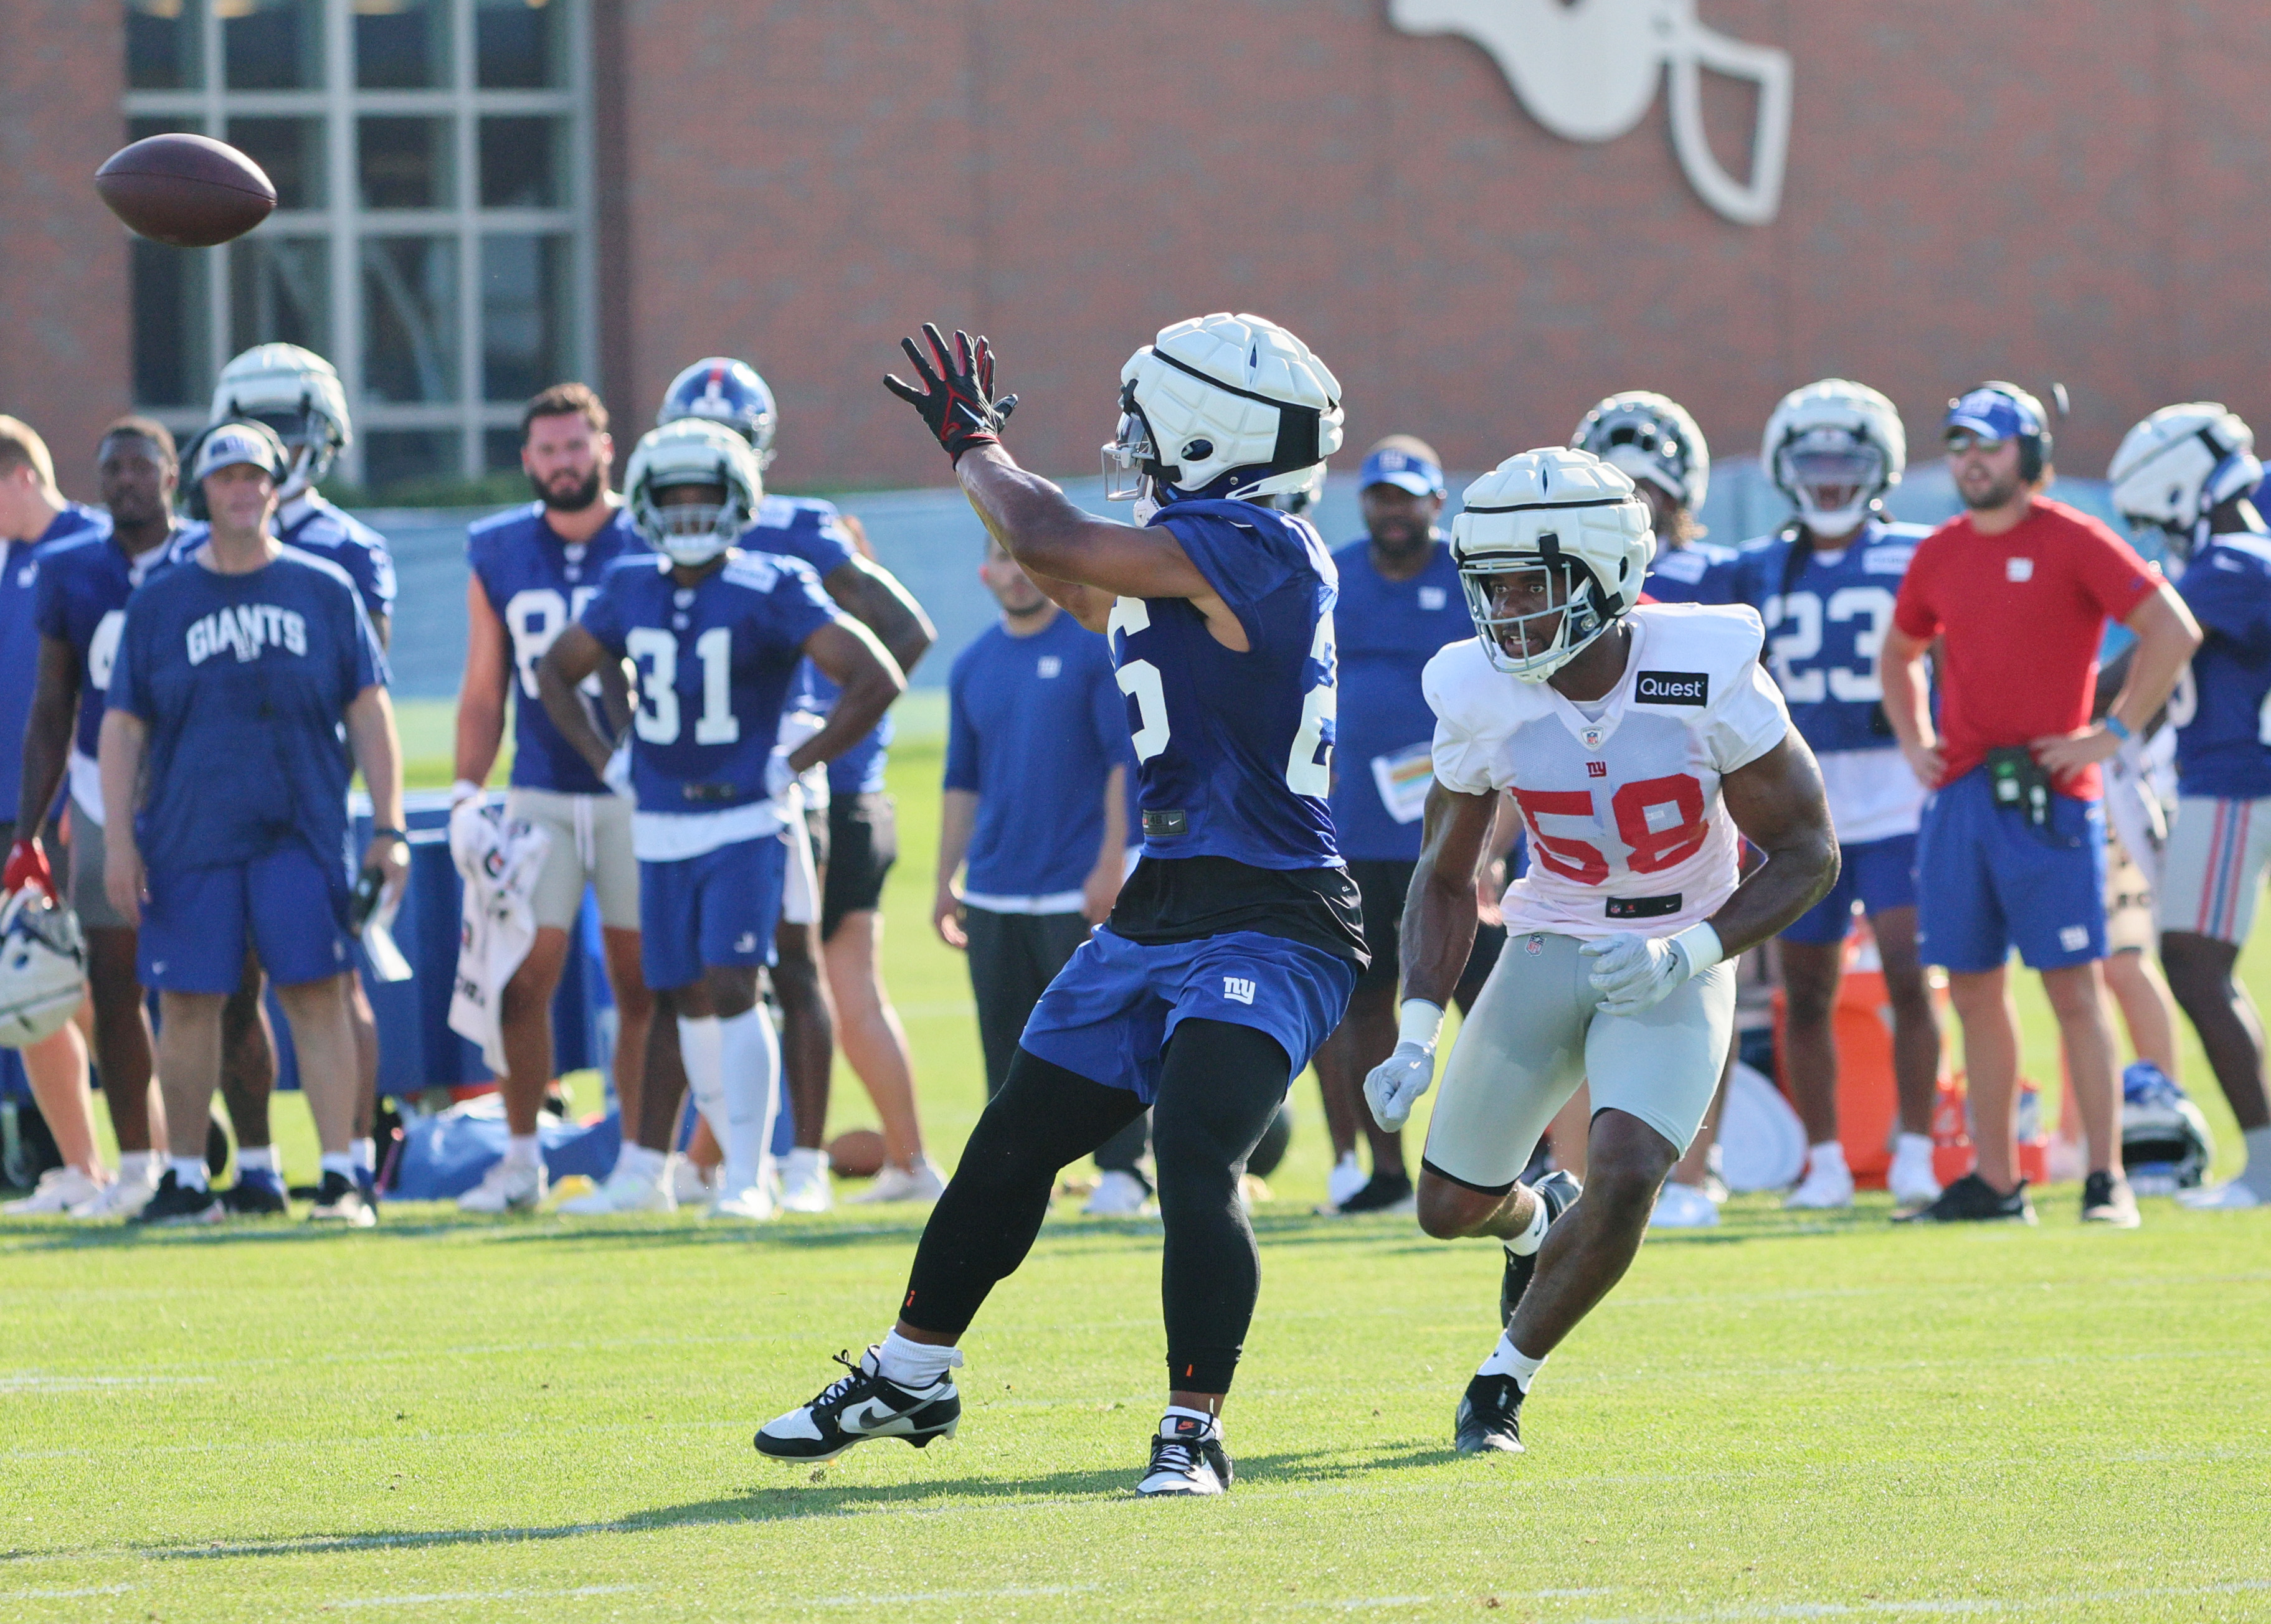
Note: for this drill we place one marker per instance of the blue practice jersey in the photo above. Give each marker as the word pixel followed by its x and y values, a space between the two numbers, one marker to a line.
pixel 313 525
pixel 243 681
pixel 2221 705
pixel 84 586
pixel 21 566
pixel 804 526
pixel 1384 732
pixel 714 660
pixel 1826 627
pixel 538 583
pixel 1235 749
pixel 1034 727
pixel 1701 572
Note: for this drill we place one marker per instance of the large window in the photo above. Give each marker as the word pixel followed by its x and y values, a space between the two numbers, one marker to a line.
pixel 432 230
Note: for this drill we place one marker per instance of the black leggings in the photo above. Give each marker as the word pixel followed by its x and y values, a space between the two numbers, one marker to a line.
pixel 1218 1088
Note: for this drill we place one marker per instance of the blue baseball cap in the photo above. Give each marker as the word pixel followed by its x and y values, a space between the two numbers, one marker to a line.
pixel 231 443
pixel 1994 413
pixel 1403 470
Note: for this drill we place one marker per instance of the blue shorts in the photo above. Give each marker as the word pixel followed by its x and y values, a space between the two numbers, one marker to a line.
pixel 721 907
pixel 1876 876
pixel 198 922
pixel 1993 881
pixel 1108 1014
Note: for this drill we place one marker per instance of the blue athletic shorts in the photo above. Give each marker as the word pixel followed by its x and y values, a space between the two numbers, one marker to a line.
pixel 197 924
pixel 1110 1012
pixel 721 907
pixel 1874 876
pixel 1988 881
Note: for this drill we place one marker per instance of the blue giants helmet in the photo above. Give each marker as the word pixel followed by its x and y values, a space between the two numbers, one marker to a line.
pixel 720 389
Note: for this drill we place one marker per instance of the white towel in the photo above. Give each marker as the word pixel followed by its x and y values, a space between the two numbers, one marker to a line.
pixel 498 859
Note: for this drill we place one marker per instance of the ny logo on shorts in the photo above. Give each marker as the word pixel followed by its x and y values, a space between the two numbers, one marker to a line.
pixel 1237 989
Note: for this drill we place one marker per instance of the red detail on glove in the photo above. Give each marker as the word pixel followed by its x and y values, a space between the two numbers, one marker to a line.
pixel 27 866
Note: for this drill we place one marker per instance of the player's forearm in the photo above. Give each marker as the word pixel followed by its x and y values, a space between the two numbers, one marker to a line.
pixel 46 753
pixel 378 753
pixel 890 611
pixel 1797 874
pixel 1113 851
pixel 860 705
pixel 1440 922
pixel 1907 697
pixel 958 816
pixel 1029 516
pixel 557 689
pixel 480 734
pixel 2167 635
pixel 119 759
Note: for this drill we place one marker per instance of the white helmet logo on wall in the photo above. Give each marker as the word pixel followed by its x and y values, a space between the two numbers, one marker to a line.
pixel 1587 69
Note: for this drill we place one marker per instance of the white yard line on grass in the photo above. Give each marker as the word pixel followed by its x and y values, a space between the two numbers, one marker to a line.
pixel 1015 1592
pixel 421 1601
pixel 37 1381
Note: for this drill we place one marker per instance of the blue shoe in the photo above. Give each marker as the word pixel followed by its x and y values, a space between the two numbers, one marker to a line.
pixel 258 1193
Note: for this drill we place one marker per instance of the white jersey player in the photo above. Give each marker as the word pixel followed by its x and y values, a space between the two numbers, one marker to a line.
pixel 1641 745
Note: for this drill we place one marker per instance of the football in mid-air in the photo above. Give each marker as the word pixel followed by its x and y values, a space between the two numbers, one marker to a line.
pixel 187 191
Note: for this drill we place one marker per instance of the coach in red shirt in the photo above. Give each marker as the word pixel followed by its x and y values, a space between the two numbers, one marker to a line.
pixel 2012 850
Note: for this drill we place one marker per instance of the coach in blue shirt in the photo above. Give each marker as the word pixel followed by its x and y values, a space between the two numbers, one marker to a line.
pixel 1035 817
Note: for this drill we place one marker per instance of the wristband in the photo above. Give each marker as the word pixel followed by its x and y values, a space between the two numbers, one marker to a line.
pixel 1421 1022
pixel 396 835
pixel 1700 946
pixel 2118 728
pixel 464 789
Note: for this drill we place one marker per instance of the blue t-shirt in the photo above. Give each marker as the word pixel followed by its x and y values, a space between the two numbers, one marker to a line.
pixel 806 528
pixel 1701 572
pixel 1035 725
pixel 243 681
pixel 1384 735
pixel 313 525
pixel 714 662
pixel 84 586
pixel 538 583
pixel 23 566
pixel 1235 750
pixel 2221 705
pixel 1826 634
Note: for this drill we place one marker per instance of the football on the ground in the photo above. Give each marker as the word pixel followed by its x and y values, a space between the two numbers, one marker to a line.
pixel 858 1153
pixel 187 191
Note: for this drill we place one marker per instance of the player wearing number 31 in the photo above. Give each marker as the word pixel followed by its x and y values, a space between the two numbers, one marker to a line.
pixel 714 635
pixel 1638 742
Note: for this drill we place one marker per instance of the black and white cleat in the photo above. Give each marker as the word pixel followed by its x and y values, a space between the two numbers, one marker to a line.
pixel 858 1406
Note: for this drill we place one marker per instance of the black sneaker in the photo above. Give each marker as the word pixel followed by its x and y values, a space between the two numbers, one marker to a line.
pixel 338 1201
pixel 2106 1198
pixel 1489 1417
pixel 1558 1190
pixel 1186 1458
pixel 1383 1192
pixel 854 1408
pixel 257 1195
pixel 1973 1200
pixel 172 1205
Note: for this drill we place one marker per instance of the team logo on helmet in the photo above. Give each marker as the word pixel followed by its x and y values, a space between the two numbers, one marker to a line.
pixel 720 389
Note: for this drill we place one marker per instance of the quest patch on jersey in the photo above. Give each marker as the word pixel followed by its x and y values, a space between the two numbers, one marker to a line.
pixel 1673 688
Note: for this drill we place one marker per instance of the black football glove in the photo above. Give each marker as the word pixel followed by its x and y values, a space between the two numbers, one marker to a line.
pixel 957 400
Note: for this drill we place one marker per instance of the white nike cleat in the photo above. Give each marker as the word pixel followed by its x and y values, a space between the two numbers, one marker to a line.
pixel 1347 1177
pixel 804 1182
pixel 689 1182
pixel 123 1197
pixel 1911 1180
pixel 1186 1457
pixel 752 1202
pixel 626 1190
pixel 921 1182
pixel 509 1186
pixel 1682 1206
pixel 60 1190
pixel 1827 1184
pixel 861 1406
pixel 1119 1194
pixel 2233 1197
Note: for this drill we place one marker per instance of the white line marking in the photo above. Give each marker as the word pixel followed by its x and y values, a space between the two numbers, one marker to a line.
pixel 1937 1607
pixel 33 1382
pixel 910 1595
pixel 98 1590
pixel 421 1601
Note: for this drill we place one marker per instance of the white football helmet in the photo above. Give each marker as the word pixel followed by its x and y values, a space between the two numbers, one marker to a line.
pixel 2173 468
pixel 692 451
pixel 1230 400
pixel 1559 509
pixel 298 394
pixel 42 967
pixel 2165 1142
pixel 1834 448
pixel 1649 436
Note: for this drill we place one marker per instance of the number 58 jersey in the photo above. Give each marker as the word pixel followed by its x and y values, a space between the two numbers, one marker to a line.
pixel 1627 832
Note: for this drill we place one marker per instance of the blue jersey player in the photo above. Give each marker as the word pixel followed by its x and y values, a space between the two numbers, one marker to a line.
pixel 715 634
pixel 1653 440
pixel 1233 949
pixel 2187 474
pixel 1825 586
pixel 835 869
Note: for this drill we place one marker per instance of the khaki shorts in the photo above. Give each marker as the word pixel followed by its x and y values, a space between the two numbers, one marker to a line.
pixel 89 900
pixel 1533 1036
pixel 591 845
pixel 800 887
pixel 2212 868
pixel 2128 902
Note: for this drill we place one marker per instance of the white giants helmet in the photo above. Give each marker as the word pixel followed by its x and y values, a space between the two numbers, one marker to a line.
pixel 42 967
pixel 296 393
pixel 1651 437
pixel 1563 511
pixel 692 451
pixel 1834 448
pixel 2175 468
pixel 1229 401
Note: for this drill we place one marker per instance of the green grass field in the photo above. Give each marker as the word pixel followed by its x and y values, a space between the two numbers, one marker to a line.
pixel 544 1420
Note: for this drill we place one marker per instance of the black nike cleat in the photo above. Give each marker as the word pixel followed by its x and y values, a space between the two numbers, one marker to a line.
pixel 1383 1192
pixel 1973 1200
pixel 257 1195
pixel 859 1406
pixel 176 1203
pixel 1560 1190
pixel 1489 1418
pixel 1186 1458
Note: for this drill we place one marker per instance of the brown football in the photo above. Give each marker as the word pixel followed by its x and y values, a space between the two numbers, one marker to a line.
pixel 189 191
pixel 858 1153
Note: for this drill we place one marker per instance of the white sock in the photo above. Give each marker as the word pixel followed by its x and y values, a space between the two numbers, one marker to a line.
pixel 189 1171
pixel 701 1047
pixel 1530 1239
pixel 1210 1425
pixel 635 1158
pixel 256 1158
pixel 1829 1153
pixel 2257 1175
pixel 141 1164
pixel 339 1161
pixel 1507 1360
pixel 751 1058
pixel 364 1154
pixel 521 1149
pixel 1913 1144
pixel 913 1365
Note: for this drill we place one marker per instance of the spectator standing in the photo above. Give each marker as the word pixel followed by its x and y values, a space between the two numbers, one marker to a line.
pixel 2019 590
pixel 1035 818
pixel 1400 602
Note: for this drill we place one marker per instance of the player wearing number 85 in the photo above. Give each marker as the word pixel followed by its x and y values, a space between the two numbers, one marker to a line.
pixel 1233 949
pixel 715 634
pixel 1638 744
